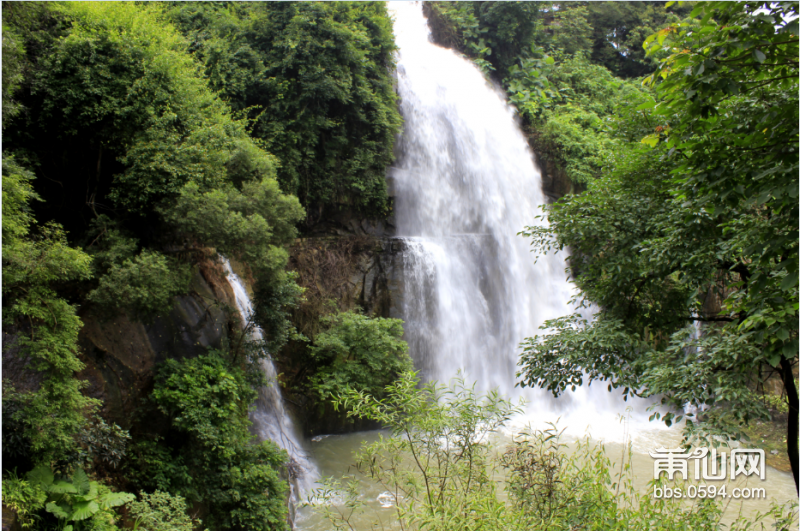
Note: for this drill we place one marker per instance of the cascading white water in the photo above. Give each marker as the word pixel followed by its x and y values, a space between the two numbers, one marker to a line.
pixel 270 419
pixel 465 185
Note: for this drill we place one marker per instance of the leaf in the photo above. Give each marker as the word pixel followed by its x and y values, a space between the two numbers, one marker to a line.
pixel 651 140
pixel 790 350
pixel 115 499
pixel 41 475
pixel 549 60
pixel 52 508
pixel 662 35
pixel 84 510
pixel 81 482
pixel 789 281
pixel 646 105
pixel 759 55
pixel 62 487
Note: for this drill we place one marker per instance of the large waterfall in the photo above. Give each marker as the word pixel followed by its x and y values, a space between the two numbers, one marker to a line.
pixel 270 419
pixel 466 184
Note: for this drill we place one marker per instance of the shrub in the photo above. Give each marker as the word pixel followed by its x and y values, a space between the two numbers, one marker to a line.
pixel 145 285
pixel 78 503
pixel 23 497
pixel 208 401
pixel 364 353
pixel 161 511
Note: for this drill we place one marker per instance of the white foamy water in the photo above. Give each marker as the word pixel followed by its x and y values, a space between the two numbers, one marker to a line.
pixel 466 185
pixel 270 419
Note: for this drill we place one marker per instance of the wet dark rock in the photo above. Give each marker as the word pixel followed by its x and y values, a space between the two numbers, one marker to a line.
pixel 120 353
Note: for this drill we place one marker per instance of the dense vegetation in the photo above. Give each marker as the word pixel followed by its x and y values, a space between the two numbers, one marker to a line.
pixel 695 224
pixel 314 82
pixel 138 141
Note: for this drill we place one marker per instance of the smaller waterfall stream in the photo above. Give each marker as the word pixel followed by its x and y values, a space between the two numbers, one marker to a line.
pixel 270 418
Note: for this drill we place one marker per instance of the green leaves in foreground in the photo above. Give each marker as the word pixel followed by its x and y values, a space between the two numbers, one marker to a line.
pixel 76 499
pixel 207 400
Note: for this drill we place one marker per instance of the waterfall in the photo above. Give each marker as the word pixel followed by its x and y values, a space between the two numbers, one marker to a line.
pixel 270 419
pixel 466 184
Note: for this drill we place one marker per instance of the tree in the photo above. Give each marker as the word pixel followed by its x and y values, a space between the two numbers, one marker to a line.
pixel 314 80
pixel 495 34
pixel 364 353
pixel 44 326
pixel 698 225
pixel 619 29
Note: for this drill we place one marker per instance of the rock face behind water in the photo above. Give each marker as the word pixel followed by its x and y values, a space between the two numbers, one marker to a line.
pixel 351 271
pixel 121 353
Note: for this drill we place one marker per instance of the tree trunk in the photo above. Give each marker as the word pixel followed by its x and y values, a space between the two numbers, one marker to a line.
pixel 787 375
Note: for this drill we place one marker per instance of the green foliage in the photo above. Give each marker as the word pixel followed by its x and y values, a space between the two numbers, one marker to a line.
pixel 204 397
pixel 87 504
pixel 161 511
pixel 439 466
pixel 497 35
pixel 248 224
pixel 571 30
pixel 122 82
pixel 24 498
pixel 151 465
pixel 102 445
pixel 314 79
pixel 273 298
pixel 733 119
pixel 572 108
pixel 18 193
pixel 698 224
pixel 125 107
pixel 109 244
pixel 357 351
pixel 144 285
pixel 46 326
pixel 620 28
pixel 208 401
pixel 13 64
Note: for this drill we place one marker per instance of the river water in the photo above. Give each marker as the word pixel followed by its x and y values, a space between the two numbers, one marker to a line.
pixel 465 185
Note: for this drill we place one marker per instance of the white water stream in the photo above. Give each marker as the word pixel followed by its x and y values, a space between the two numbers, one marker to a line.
pixel 466 184
pixel 270 419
